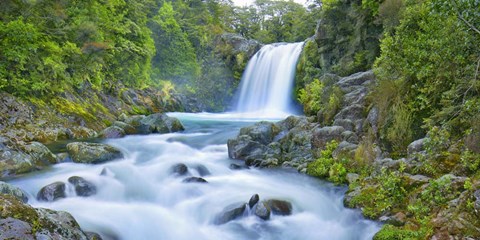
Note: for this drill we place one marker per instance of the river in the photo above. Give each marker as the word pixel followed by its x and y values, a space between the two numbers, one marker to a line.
pixel 139 198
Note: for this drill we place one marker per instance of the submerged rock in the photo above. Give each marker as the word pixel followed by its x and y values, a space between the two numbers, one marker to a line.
pixel 93 236
pixel 9 189
pixel 234 166
pixel 82 152
pixel 179 169
pixel 52 192
pixel 194 180
pixel 230 213
pixel 83 188
pixel 202 170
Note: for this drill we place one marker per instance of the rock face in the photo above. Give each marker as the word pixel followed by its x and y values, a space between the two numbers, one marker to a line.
pixel 21 221
pixel 8 189
pixel 52 192
pixel 83 188
pixel 82 152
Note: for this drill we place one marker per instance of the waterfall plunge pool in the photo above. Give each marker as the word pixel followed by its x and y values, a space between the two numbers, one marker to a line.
pixel 138 198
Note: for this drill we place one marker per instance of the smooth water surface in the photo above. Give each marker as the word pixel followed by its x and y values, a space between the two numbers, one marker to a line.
pixel 138 198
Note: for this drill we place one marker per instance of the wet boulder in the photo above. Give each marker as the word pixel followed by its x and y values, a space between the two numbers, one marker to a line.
pixel 262 132
pixel 179 169
pixel 12 160
pixel 162 123
pixel 9 189
pixel 262 210
pixel 253 200
pixel 82 187
pixel 194 180
pixel 112 132
pixel 230 213
pixel 279 207
pixel 52 192
pixel 82 152
pixel 244 147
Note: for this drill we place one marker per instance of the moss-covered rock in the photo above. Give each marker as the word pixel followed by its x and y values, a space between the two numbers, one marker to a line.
pixel 83 152
pixel 21 221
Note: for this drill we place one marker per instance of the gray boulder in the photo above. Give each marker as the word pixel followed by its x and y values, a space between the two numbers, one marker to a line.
pixel 82 152
pixel 9 189
pixel 321 136
pixel 279 207
pixel 262 132
pixel 230 213
pixel 262 210
pixel 83 188
pixel 161 123
pixel 202 170
pixel 347 84
pixel 416 146
pixel 244 147
pixel 52 192
pixel 112 132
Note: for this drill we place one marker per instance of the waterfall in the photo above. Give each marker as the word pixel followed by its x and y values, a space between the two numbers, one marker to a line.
pixel 267 83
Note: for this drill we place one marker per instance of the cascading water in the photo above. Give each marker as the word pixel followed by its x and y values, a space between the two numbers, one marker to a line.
pixel 266 86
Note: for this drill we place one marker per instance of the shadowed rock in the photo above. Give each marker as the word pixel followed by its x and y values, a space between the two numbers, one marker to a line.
pixel 230 213
pixel 82 187
pixel 52 192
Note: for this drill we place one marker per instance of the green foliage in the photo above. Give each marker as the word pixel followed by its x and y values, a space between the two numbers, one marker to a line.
pixel 389 232
pixel 175 58
pixel 271 21
pixel 321 167
pixel 322 98
pixel 384 192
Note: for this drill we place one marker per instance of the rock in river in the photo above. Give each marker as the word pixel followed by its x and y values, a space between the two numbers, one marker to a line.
pixel 83 188
pixel 82 152
pixel 52 192
pixel 230 213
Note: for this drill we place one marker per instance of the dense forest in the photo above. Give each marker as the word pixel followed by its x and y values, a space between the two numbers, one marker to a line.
pixel 49 47
pixel 425 55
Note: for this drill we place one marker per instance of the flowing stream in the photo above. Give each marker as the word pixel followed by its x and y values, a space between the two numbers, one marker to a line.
pixel 139 198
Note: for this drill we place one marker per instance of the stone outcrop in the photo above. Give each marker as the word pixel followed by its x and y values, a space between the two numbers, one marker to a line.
pixel 21 221
pixel 83 152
